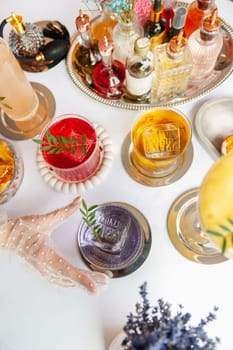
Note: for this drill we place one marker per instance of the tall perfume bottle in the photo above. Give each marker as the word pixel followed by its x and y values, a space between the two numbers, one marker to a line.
pixel 173 66
pixel 168 12
pixel 108 74
pixel 126 31
pixel 205 45
pixel 197 10
pixel 86 53
pixel 139 71
pixel 177 23
pixel 105 22
pixel 155 28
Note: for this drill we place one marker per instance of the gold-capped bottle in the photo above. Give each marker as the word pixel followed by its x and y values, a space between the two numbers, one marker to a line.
pixel 173 66
pixel 155 28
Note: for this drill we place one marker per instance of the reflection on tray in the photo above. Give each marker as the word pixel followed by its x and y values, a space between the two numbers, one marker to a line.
pixel 213 123
pixel 223 69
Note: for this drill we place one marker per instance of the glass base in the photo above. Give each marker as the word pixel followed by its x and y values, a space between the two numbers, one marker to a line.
pixel 124 241
pixel 185 231
pixel 135 174
pixel 27 129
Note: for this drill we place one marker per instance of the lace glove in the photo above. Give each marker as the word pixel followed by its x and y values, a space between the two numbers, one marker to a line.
pixel 27 236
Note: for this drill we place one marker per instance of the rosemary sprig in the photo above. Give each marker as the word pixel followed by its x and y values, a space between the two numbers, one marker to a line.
pixel 3 103
pixel 58 144
pixel 89 218
pixel 226 228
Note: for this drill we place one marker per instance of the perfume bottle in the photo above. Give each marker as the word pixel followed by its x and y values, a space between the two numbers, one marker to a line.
pixel 25 39
pixel 173 66
pixel 197 10
pixel 124 34
pixel 104 23
pixel 177 23
pixel 168 12
pixel 139 71
pixel 205 45
pixel 155 28
pixel 108 74
pixel 86 53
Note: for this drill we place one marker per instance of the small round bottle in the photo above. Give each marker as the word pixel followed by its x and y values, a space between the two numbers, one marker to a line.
pixel 139 71
pixel 108 74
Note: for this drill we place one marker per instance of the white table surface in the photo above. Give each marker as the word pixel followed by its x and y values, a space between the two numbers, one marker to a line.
pixel 35 314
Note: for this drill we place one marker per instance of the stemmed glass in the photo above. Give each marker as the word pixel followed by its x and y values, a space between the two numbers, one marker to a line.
pixel 25 107
pixel 200 221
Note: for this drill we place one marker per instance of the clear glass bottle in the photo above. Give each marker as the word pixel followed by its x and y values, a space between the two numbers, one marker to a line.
pixel 173 66
pixel 108 74
pixel 205 45
pixel 155 28
pixel 197 10
pixel 177 23
pixel 139 71
pixel 104 23
pixel 124 35
pixel 86 53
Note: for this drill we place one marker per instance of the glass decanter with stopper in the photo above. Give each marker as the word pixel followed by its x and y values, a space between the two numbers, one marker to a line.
pixel 205 45
pixel 139 71
pixel 173 66
pixel 109 73
pixel 86 53
pixel 105 22
pixel 125 32
pixel 197 10
pixel 155 28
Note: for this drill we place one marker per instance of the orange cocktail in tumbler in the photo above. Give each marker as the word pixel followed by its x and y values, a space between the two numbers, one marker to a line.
pixel 71 148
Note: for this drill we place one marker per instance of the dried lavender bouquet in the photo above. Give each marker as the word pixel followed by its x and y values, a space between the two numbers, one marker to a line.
pixel 156 328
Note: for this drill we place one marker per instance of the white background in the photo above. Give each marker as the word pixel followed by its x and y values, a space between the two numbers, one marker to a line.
pixel 37 315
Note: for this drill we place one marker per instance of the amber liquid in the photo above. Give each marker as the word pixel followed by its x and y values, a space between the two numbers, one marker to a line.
pixel 159 138
pixel 103 26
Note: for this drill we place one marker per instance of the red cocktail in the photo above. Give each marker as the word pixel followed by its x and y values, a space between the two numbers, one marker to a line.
pixel 71 148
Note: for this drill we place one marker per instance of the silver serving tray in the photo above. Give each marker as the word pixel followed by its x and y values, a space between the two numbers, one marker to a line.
pixel 213 123
pixel 223 69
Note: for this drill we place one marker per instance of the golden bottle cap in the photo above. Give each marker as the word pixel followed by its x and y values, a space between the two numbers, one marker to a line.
pixel 17 23
pixel 177 42
pixel 212 22
pixel 141 46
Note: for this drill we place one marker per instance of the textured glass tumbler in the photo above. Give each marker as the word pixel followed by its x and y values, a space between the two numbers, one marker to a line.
pixel 77 155
pixel 159 139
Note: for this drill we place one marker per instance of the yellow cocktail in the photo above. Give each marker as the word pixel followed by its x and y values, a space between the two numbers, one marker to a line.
pixel 216 204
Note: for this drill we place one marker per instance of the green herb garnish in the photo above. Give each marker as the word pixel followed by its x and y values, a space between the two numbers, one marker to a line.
pixel 89 218
pixel 222 236
pixel 58 144
pixel 3 103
